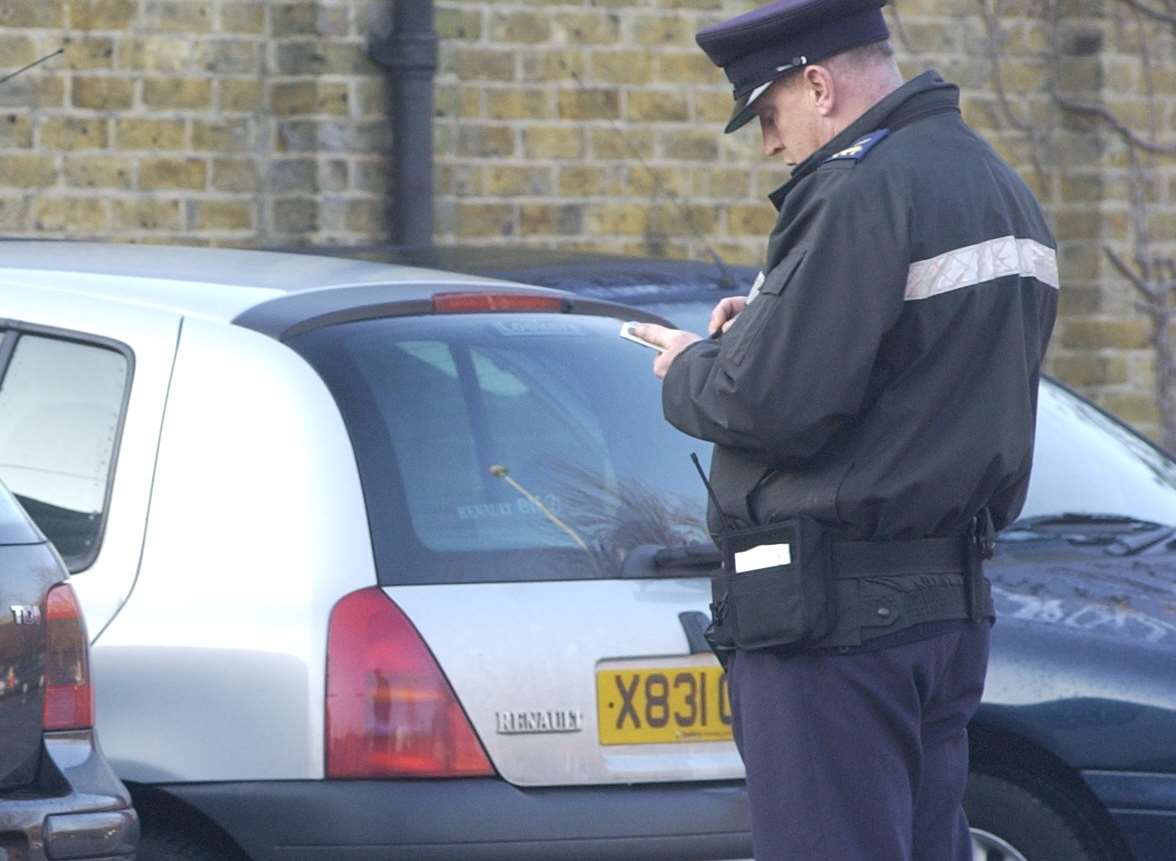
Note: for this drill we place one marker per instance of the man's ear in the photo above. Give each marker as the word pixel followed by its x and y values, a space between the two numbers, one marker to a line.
pixel 819 85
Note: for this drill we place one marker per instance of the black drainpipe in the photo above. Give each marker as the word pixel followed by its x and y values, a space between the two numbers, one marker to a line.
pixel 409 52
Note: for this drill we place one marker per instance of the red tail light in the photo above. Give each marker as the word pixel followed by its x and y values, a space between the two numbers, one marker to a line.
pixel 466 303
pixel 390 711
pixel 69 699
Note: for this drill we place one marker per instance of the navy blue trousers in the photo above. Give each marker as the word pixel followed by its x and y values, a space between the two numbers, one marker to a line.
pixel 860 756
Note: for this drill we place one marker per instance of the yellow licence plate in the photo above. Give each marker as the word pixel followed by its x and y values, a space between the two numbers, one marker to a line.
pixel 660 704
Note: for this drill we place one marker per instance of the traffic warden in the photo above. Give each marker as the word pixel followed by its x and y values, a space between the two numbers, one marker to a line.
pixel 872 407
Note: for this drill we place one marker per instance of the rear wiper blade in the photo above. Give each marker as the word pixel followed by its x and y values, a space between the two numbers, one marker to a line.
pixel 1080 518
pixel 655 560
pixel 688 556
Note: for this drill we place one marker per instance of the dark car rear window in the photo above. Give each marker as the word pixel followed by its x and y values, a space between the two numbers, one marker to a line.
pixel 508 446
pixel 15 526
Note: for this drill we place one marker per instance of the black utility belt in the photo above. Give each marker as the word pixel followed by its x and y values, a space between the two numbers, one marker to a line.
pixel 778 583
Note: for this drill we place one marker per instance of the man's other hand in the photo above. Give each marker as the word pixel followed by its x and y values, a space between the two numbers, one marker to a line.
pixel 725 313
pixel 673 341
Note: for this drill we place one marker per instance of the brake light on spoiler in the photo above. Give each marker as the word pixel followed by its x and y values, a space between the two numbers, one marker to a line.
pixel 390 711
pixel 69 698
pixel 472 303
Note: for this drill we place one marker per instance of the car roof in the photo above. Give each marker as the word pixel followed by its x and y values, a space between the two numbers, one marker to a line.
pixel 273 292
pixel 219 283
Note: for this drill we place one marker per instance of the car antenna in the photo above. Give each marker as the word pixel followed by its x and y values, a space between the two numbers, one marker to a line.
pixel 726 280
pixel 12 75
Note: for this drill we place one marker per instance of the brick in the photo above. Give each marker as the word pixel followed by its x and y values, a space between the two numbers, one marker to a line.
pixel 589 104
pixel 485 141
pixel 98 171
pixel 27 171
pixel 157 54
pixel 681 218
pixel 579 181
pixel 103 94
pixel 284 176
pixel 235 174
pixel 242 18
pixel 657 106
pixel 662 30
pixel 102 14
pixel 219 214
pixel 368 217
pixel 622 67
pixel 587 28
pixel 1135 409
pixel 89 52
pixel 614 143
pixel 564 64
pixel 150 134
pixel 172 173
pixel 176 16
pixel 485 220
pixel 1090 369
pixel 14 213
pixel 299 97
pixel 480 64
pixel 146 214
pixel 459 24
pixel 1103 334
pixel 76 215
pixel 514 104
pixel 368 174
pixel 751 220
pixel 229 56
pixel 177 93
pixel 692 67
pixel 651 181
pixel 241 95
pixel 515 180
pixel 617 218
pixel 553 142
pixel 551 219
pixel 16 132
pixel 295 215
pixel 688 144
pixel 228 136
pixel 731 184
pixel 73 133
pixel 41 14
pixel 527 27
pixel 16 51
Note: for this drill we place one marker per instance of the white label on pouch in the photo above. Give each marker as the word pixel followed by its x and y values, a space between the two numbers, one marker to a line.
pixel 763 556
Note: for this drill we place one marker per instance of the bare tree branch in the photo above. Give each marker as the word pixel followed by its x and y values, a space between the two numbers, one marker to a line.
pixel 1138 282
pixel 1104 114
pixel 1151 13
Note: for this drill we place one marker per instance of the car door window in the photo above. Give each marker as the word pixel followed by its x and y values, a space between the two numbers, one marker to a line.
pixel 61 405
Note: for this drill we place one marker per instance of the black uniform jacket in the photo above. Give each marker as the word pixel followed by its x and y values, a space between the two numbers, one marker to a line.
pixel 884 379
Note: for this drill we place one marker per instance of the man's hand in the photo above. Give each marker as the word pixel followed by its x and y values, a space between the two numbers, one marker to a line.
pixel 725 313
pixel 673 341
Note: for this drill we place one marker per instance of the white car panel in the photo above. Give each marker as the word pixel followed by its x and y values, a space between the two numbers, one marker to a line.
pixel 151 336
pixel 257 527
pixel 489 636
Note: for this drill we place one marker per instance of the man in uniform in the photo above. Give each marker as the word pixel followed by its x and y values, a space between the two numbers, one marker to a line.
pixel 881 381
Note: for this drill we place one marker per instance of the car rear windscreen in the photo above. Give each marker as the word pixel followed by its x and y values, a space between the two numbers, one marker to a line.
pixel 497 447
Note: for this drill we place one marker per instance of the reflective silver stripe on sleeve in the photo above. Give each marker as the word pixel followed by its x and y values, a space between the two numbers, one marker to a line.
pixel 980 263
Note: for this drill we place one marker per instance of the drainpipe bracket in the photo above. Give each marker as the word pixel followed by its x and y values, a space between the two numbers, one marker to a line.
pixel 406 52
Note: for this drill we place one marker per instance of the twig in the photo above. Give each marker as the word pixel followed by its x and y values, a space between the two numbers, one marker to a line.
pixel 1107 116
pixel 12 75
pixel 1151 13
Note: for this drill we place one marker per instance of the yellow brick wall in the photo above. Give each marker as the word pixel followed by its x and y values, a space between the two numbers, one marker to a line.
pixel 570 123
pixel 243 122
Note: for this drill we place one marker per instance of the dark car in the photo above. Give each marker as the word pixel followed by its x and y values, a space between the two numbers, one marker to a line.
pixel 1074 747
pixel 58 797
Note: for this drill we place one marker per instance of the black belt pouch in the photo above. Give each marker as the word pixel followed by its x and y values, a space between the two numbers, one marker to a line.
pixel 779 584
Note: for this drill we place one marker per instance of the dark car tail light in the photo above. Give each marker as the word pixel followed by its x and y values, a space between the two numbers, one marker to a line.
pixel 467 303
pixel 390 712
pixel 69 698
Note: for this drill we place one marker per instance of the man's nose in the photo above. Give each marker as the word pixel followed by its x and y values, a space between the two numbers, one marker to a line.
pixel 772 143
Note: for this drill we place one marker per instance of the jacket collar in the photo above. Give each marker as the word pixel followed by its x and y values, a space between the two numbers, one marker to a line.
pixel 920 96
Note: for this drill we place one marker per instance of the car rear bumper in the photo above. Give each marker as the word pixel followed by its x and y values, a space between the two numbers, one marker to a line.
pixel 77 809
pixel 476 820
pixel 1143 806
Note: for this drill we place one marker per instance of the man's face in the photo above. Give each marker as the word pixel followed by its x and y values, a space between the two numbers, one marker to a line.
pixel 788 119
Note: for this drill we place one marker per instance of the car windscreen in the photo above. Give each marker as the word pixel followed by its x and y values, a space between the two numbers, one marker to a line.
pixel 498 447
pixel 1086 462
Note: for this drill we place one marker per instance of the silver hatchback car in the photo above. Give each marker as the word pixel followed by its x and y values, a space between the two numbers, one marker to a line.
pixel 379 562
